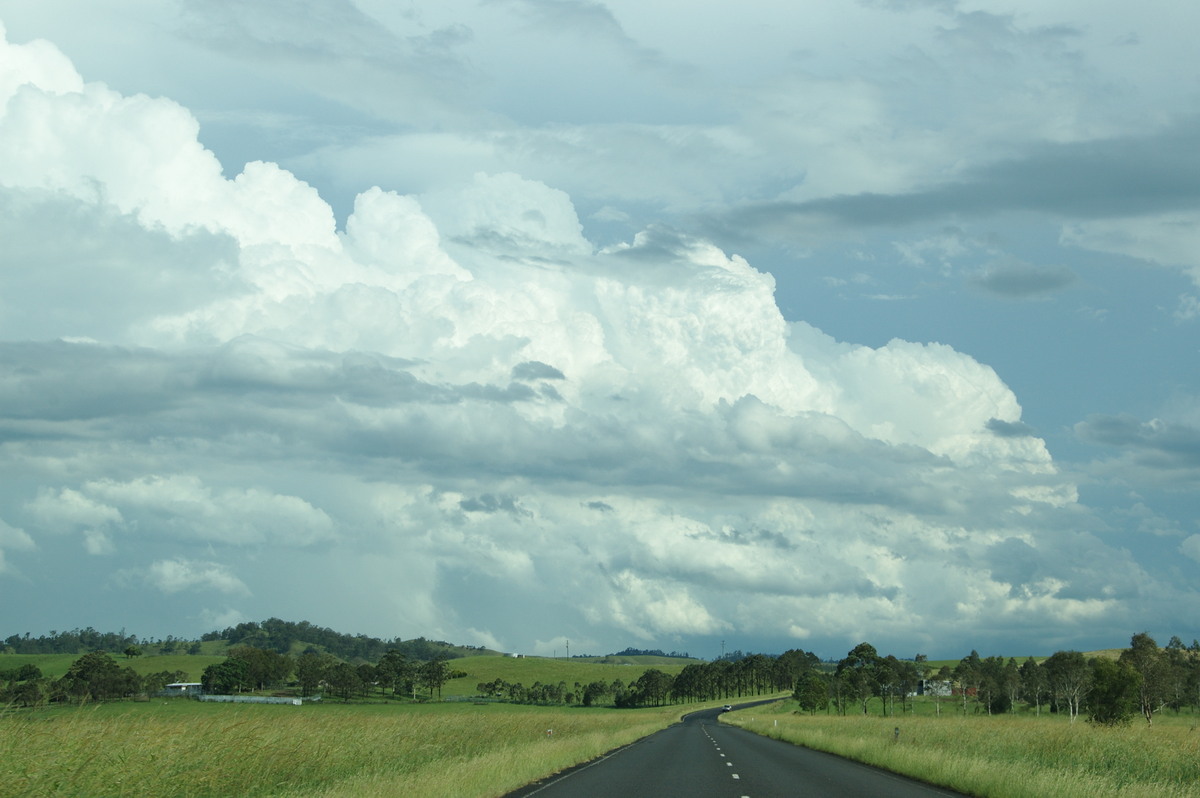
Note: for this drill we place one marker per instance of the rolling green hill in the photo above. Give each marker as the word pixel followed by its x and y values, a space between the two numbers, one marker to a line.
pixel 528 670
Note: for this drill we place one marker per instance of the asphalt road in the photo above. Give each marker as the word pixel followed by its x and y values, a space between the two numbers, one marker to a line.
pixel 703 758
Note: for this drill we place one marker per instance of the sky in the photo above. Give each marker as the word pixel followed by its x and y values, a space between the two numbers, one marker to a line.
pixel 536 324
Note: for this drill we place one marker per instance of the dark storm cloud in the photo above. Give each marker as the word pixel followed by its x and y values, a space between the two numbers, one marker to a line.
pixel 320 30
pixel 1010 429
pixel 489 503
pixel 252 365
pixel 586 20
pixel 513 392
pixel 1128 176
pixel 532 370
pixel 1013 561
pixel 1023 280
pixel 106 273
pixel 59 381
pixel 754 536
pixel 62 381
pixel 909 5
pixel 1158 444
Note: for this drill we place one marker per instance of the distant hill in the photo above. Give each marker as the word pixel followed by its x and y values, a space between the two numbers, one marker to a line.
pixel 76 641
pixel 636 659
pixel 284 637
pixel 287 637
pixel 642 652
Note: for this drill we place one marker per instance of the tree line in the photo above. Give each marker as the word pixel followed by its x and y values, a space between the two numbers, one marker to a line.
pixel 97 676
pixel 746 675
pixel 650 652
pixel 75 641
pixel 395 674
pixel 1143 680
pixel 272 634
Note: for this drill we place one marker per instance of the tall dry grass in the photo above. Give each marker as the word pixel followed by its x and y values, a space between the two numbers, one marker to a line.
pixel 304 751
pixel 1005 756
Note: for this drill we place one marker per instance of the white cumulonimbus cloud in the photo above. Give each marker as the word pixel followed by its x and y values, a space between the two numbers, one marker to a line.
pixel 174 576
pixel 460 407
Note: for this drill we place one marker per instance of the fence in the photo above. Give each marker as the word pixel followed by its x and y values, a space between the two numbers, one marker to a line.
pixel 255 699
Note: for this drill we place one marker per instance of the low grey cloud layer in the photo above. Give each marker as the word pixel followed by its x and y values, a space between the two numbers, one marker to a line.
pixel 472 339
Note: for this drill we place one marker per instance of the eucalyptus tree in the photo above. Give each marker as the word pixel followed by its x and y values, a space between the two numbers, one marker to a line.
pixel 859 671
pixel 1034 683
pixel 691 683
pixel 944 676
pixel 993 690
pixel 969 674
pixel 397 671
pixel 812 692
pixel 433 675
pixel 264 667
pixel 1179 663
pixel 343 680
pixel 594 692
pixel 1012 682
pixel 311 670
pixel 230 676
pixel 652 687
pixel 368 674
pixel 1069 677
pixel 1113 693
pixel 1145 657
pixel 97 676
pixel 792 667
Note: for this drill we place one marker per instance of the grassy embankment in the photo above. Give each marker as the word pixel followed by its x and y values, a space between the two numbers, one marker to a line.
pixel 1010 756
pixel 185 748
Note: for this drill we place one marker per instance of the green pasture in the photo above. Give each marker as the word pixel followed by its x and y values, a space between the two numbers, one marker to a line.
pixel 176 747
pixel 1003 756
pixel 649 660
pixel 480 668
pixel 934 665
pixel 55 666
pixel 528 670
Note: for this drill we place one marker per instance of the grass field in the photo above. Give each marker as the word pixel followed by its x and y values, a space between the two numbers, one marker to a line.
pixel 1008 756
pixel 934 665
pixel 528 670
pixel 54 666
pixel 482 668
pixel 177 747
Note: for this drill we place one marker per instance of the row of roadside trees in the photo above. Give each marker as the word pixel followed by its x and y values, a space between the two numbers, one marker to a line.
pixel 733 677
pixel 97 676
pixel 1143 680
pixel 251 668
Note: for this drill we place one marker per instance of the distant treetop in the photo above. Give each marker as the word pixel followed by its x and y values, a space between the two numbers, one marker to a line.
pixel 642 652
pixel 272 634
